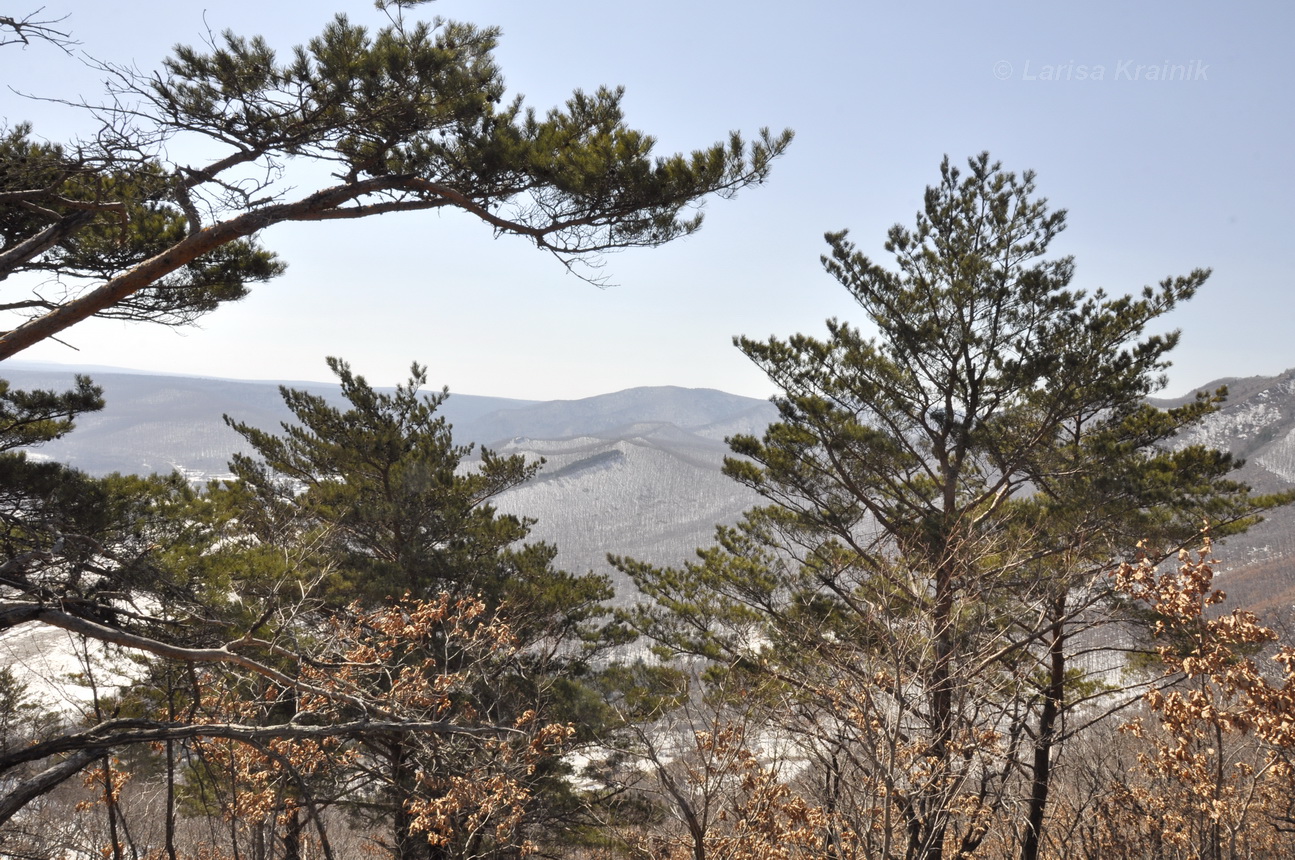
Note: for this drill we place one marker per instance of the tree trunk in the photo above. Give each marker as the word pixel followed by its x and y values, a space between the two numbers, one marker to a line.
pixel 409 845
pixel 937 820
pixel 1053 699
pixel 292 836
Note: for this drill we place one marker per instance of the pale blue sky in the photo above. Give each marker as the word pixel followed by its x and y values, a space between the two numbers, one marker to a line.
pixel 1159 177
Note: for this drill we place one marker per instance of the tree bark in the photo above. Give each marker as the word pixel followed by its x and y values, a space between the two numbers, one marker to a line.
pixel 1053 699
pixel 47 780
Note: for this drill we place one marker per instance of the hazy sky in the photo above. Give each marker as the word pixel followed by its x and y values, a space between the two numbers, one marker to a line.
pixel 1159 177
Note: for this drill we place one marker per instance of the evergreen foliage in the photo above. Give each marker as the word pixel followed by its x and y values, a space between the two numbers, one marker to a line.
pixel 967 499
pixel 391 507
pixel 943 497
pixel 411 116
pixel 220 598
pixel 349 626
pixel 29 418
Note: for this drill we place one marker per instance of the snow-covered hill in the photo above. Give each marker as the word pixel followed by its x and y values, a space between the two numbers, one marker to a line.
pixel 1257 424
pixel 649 491
pixel 633 473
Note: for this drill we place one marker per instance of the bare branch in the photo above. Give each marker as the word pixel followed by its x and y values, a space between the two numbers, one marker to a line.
pixel 22 31
pixel 118 733
pixel 27 790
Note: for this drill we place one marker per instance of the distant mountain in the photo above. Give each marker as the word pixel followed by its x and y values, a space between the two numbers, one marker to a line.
pixel 652 491
pixel 636 472
pixel 699 411
pixel 1257 424
pixel 157 423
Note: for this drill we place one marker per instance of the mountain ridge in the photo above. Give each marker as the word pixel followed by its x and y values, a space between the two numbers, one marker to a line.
pixel 636 472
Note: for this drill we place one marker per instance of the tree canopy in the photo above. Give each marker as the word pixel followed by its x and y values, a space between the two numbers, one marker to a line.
pixel 392 507
pixel 411 116
pixel 943 500
pixel 352 613
pixel 348 625
pixel 967 500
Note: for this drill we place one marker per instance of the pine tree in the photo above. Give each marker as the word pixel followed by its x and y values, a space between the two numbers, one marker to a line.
pixel 409 117
pixel 236 611
pixel 942 498
pixel 393 509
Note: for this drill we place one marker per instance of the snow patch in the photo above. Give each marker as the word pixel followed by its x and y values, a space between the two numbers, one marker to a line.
pixel 1280 457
